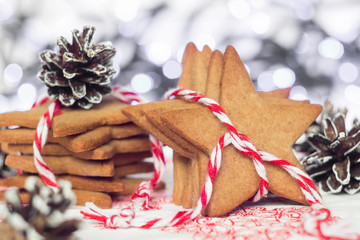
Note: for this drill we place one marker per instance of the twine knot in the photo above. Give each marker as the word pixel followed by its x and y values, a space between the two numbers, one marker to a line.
pixel 141 197
pixel 122 220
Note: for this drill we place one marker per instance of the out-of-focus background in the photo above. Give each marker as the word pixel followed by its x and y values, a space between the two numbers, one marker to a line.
pixel 312 46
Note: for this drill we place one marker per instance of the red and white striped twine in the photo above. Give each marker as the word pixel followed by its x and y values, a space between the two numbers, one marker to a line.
pixel 141 198
pixel 247 148
pixel 126 96
pixel 317 223
pixel 42 130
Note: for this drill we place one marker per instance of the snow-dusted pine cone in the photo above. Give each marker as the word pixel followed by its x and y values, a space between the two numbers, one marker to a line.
pixel 43 217
pixel 5 171
pixel 79 74
pixel 336 162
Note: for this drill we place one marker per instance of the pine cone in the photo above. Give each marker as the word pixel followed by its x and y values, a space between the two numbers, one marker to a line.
pixel 43 216
pixel 336 162
pixel 305 148
pixel 5 171
pixel 80 72
pixel 2 162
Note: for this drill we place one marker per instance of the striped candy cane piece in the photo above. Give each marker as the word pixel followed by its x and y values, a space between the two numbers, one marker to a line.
pixel 4 188
pixel 126 96
pixel 42 99
pixel 127 218
pixel 42 130
pixel 307 186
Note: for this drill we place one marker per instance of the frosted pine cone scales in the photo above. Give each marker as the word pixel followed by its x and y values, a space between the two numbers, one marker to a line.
pixel 336 162
pixel 43 217
pixel 79 74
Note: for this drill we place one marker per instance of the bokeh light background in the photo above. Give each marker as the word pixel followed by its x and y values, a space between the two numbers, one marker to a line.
pixel 312 46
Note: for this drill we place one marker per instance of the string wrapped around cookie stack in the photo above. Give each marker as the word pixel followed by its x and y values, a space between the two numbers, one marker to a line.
pixel 82 136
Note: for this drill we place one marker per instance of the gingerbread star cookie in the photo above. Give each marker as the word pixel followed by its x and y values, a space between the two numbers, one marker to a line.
pixel 153 117
pixel 204 77
pixel 272 124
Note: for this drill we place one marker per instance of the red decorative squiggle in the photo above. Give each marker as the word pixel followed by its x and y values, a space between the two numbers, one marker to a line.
pixel 250 222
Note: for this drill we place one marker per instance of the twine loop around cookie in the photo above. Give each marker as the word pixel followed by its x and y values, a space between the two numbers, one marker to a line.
pixel 239 140
pixel 141 197
pixel 246 147
pixel 40 138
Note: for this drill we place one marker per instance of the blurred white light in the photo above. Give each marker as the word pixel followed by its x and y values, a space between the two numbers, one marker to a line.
pixel 172 69
pixel 6 10
pixel 331 48
pixel 35 27
pixel 248 47
pixel 180 54
pixel 352 93
pixel 260 23
pixel 126 10
pixel 12 75
pixel 239 8
pixel 265 82
pixel 298 93
pixel 204 39
pixel 142 83
pixel 348 72
pixel 304 10
pixel 4 104
pixel 303 45
pixel 339 20
pixel 158 52
pixel 125 52
pixel 284 77
pixel 259 3
pixel 26 93
pixel 156 79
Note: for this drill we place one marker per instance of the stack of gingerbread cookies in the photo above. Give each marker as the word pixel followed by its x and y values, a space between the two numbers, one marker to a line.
pixel 269 119
pixel 96 150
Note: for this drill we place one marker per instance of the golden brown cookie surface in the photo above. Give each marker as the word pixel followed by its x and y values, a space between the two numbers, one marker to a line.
pixel 70 121
pixel 273 125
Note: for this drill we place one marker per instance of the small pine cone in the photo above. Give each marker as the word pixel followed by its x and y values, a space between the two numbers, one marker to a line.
pixel 335 164
pixel 5 171
pixel 43 217
pixel 79 74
